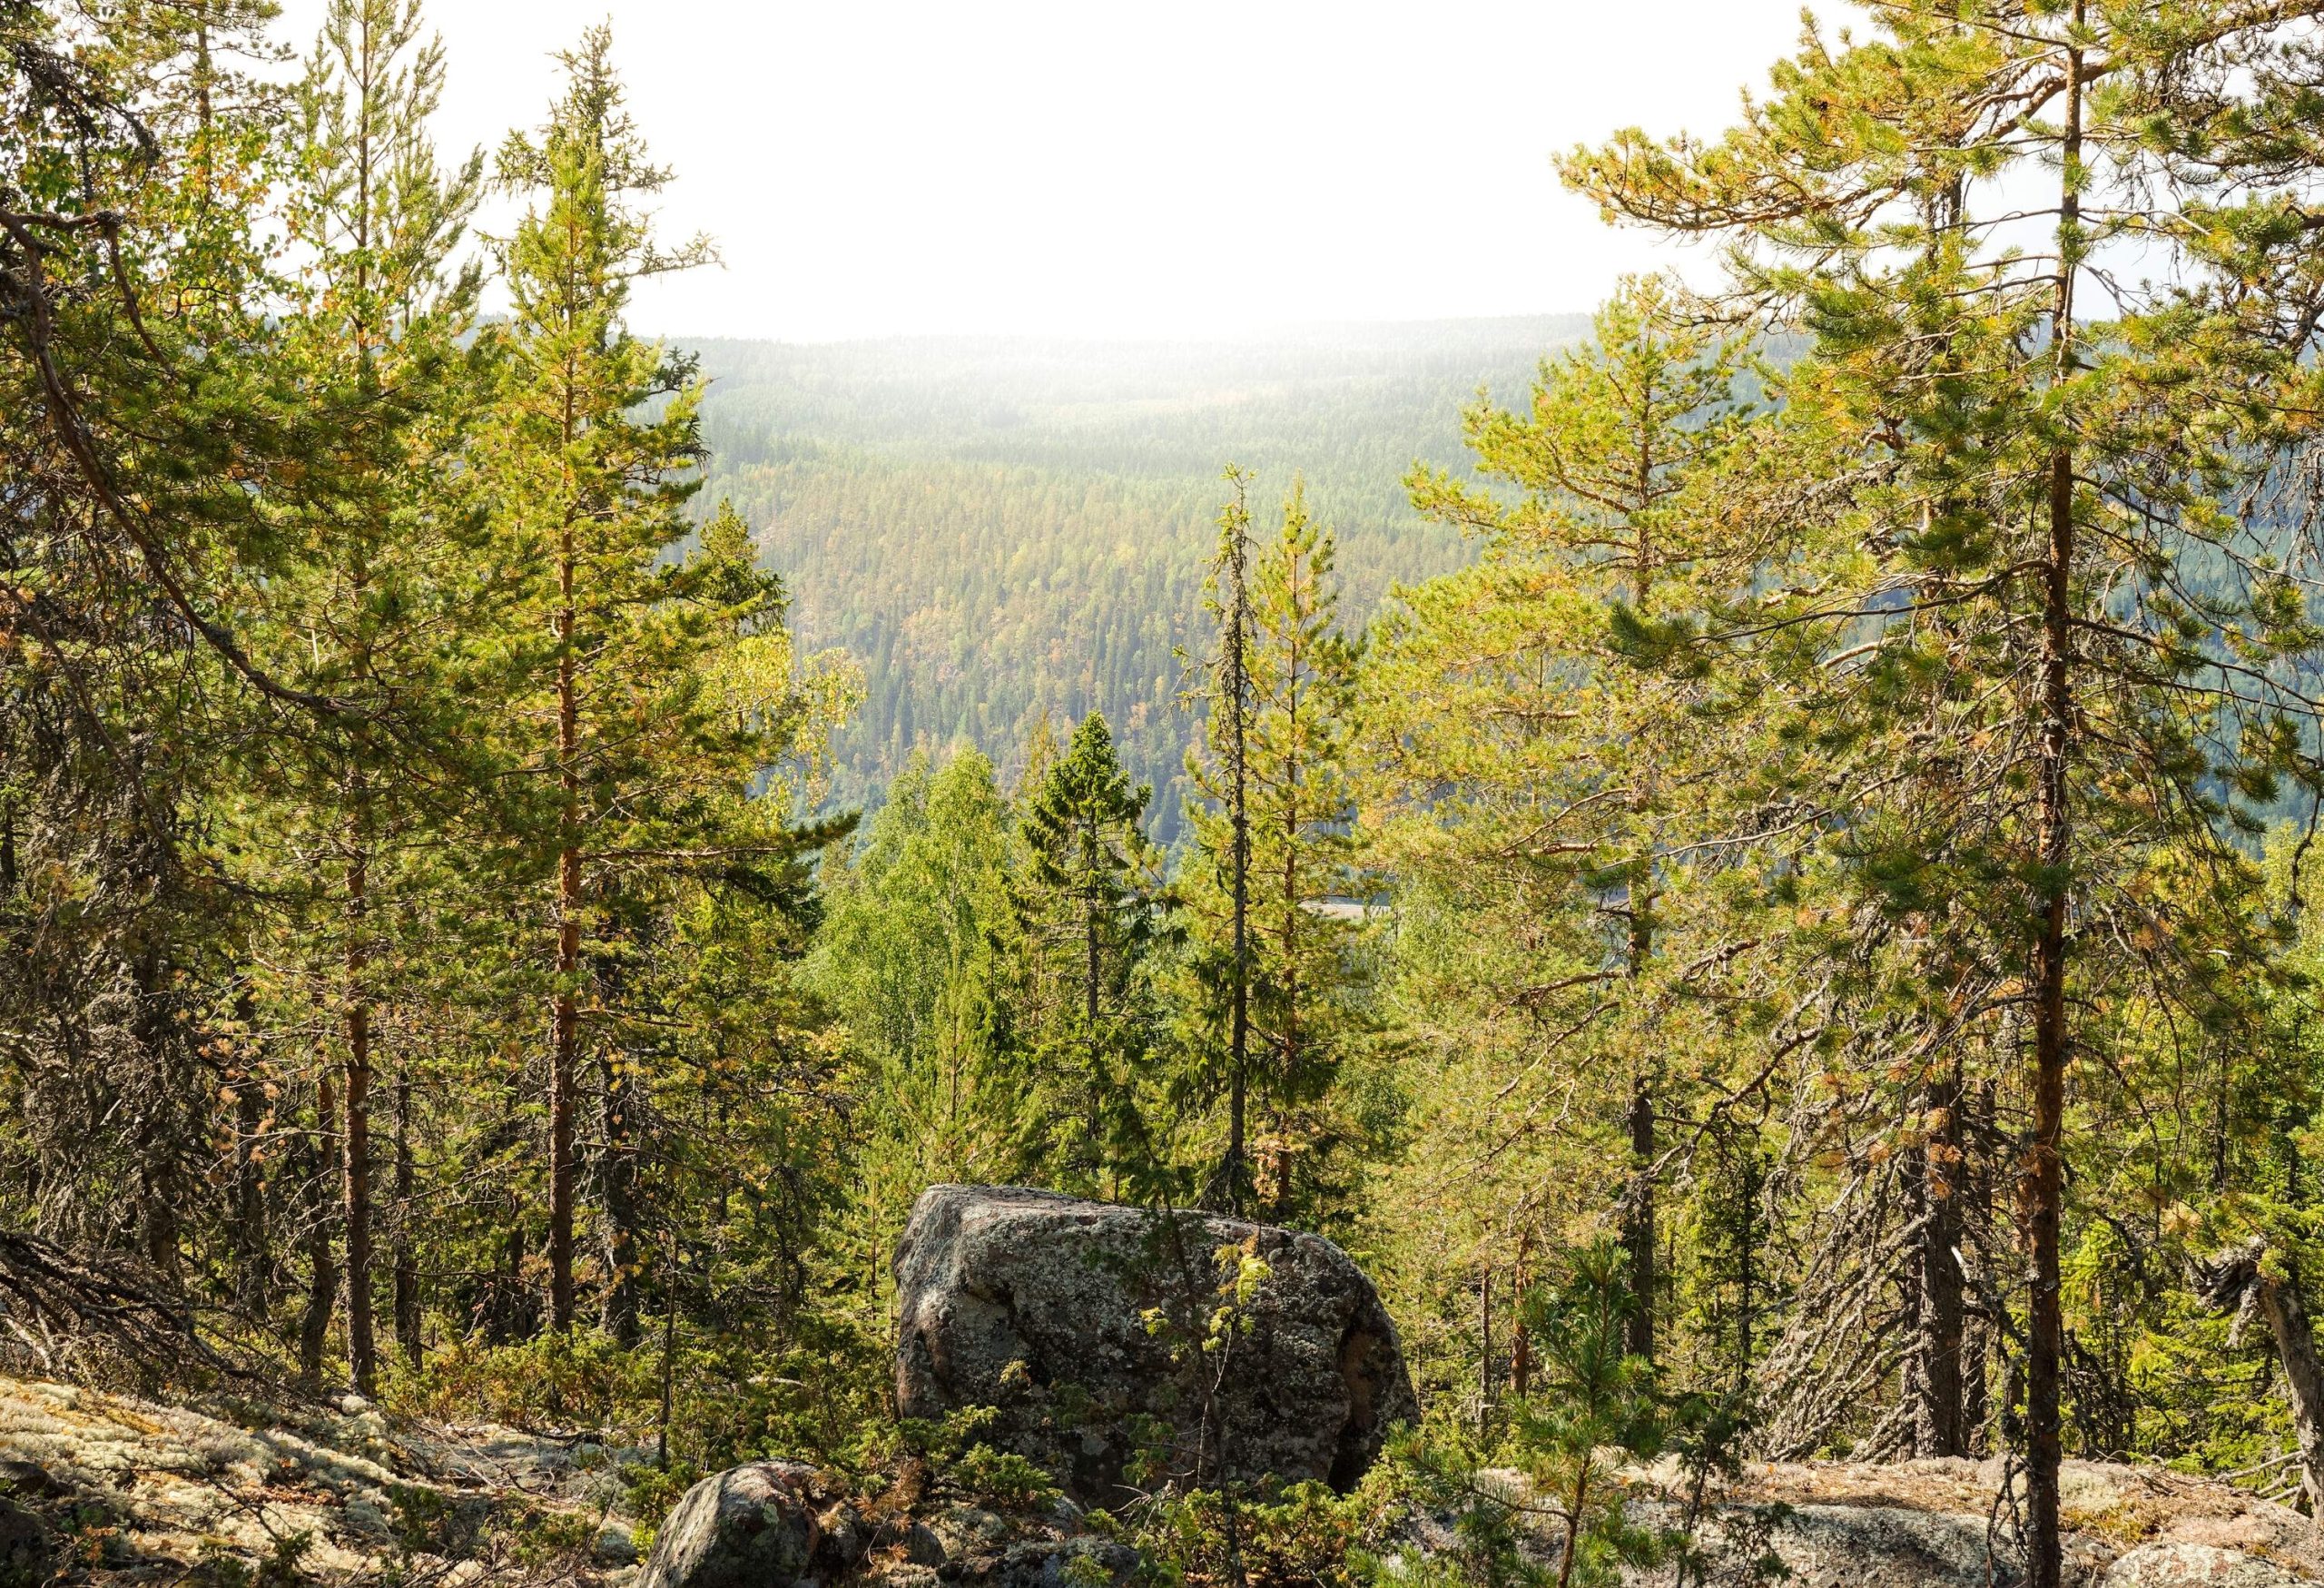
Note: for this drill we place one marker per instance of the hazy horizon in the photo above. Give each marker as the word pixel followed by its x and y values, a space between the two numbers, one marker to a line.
pixel 1038 168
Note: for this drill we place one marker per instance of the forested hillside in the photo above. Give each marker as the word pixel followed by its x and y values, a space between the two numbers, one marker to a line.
pixel 1789 936
pixel 1003 530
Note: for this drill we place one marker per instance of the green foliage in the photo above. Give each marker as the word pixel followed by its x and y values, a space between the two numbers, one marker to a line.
pixel 1266 895
pixel 1787 783
pixel 1004 531
pixel 955 1453
pixel 1089 905
pixel 921 958
pixel 1002 1479
pixel 1550 811
pixel 1304 1534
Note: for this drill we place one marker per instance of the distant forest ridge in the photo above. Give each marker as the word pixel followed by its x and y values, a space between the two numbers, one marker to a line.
pixel 1000 527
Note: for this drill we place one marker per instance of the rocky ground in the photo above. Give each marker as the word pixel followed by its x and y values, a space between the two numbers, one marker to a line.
pixel 106 1489
pixel 1928 1522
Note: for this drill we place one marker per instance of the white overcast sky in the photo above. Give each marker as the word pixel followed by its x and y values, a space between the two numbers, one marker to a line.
pixel 1099 167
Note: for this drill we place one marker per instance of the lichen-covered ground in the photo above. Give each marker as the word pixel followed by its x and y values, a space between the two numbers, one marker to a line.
pixel 1936 1524
pixel 108 1489
pixel 104 1487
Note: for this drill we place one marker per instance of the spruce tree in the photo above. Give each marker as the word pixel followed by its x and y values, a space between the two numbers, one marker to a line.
pixel 1275 806
pixel 1090 903
pixel 1219 764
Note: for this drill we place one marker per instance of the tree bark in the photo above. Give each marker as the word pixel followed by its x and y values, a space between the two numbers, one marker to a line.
pixel 620 1177
pixel 565 1016
pixel 1484 1354
pixel 1936 1359
pixel 322 1268
pixel 2235 1281
pixel 253 1253
pixel 362 1356
pixel 2040 1178
pixel 407 1259
pixel 1237 683
pixel 1638 1222
pixel 1090 964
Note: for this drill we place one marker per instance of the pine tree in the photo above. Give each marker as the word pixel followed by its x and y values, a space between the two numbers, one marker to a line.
pixel 380 317
pixel 2030 487
pixel 1537 764
pixel 596 435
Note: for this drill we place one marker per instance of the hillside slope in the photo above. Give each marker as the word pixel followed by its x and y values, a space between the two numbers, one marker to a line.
pixel 1000 528
pixel 102 1488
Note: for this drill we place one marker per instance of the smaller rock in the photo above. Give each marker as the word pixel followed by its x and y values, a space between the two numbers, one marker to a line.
pixel 363 1518
pixel 615 1545
pixel 27 1480
pixel 922 1547
pixel 24 1544
pixel 747 1527
pixel 844 1539
pixel 1069 1562
pixel 967 1530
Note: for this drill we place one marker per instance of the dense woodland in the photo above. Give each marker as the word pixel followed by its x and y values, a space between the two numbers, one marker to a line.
pixel 1002 529
pixel 1793 939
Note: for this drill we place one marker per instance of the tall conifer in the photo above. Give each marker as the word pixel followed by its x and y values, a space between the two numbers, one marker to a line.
pixel 2032 474
pixel 595 438
pixel 380 312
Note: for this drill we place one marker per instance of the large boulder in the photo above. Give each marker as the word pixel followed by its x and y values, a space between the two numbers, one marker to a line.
pixel 1083 1325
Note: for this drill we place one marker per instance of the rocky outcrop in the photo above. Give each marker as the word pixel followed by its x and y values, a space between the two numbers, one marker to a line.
pixel 129 1493
pixel 1930 1524
pixel 1082 1325
pixel 135 1491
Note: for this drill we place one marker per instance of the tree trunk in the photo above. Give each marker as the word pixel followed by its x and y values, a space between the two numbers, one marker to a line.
pixel 362 1357
pixel 1521 1339
pixel 1935 1361
pixel 620 1178
pixel 2041 1177
pixel 2303 1380
pixel 1638 1222
pixel 323 1270
pixel 1747 1256
pixel 566 1011
pixel 509 1308
pixel 1981 1344
pixel 407 1259
pixel 253 1254
pixel 1091 963
pixel 1484 1352
pixel 2236 1281
pixel 1238 690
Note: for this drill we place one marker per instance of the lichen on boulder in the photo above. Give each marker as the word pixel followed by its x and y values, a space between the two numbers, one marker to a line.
pixel 750 1526
pixel 1083 1326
